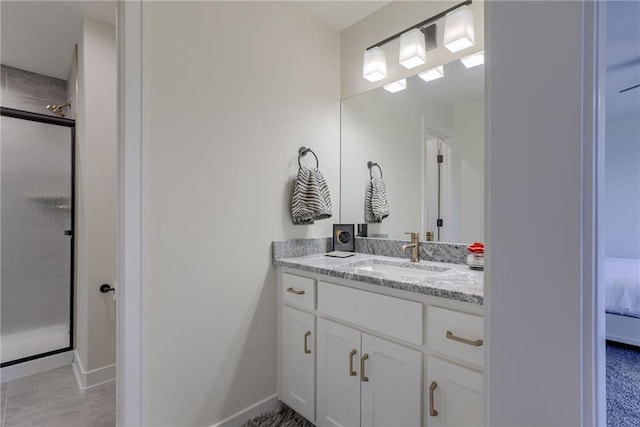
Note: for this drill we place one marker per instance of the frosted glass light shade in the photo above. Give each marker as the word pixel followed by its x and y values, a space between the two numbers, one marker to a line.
pixel 432 74
pixel 374 67
pixel 413 51
pixel 473 60
pixel 396 86
pixel 458 29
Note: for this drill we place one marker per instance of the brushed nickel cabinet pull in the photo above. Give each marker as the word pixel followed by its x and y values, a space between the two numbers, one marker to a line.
pixel 306 344
pixel 432 410
pixel 295 291
pixel 363 377
pixel 476 343
pixel 351 371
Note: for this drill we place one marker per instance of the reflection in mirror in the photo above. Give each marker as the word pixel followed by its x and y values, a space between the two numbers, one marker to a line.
pixel 429 142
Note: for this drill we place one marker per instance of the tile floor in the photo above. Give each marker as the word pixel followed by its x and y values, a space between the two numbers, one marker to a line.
pixel 53 399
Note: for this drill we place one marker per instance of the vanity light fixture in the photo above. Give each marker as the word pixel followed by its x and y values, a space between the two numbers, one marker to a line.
pixel 416 40
pixel 432 74
pixel 375 65
pixel 458 29
pixel 413 50
pixel 473 60
pixel 396 86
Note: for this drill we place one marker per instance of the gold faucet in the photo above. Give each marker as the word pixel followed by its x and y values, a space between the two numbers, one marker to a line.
pixel 414 245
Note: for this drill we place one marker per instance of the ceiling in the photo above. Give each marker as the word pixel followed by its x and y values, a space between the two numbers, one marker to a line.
pixel 39 36
pixel 623 57
pixel 341 14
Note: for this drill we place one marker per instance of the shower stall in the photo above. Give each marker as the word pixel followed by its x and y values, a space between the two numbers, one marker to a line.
pixel 36 235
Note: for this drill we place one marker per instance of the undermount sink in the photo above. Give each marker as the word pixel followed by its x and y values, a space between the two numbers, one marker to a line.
pixel 414 271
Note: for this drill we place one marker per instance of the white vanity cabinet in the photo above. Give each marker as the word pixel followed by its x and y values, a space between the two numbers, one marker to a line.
pixel 297 360
pixel 353 354
pixel 455 394
pixel 365 380
pixel 454 391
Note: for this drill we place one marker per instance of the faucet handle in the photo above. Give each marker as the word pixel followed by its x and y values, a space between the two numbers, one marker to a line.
pixel 415 236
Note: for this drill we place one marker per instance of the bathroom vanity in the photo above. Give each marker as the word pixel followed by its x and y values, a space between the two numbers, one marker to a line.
pixel 374 340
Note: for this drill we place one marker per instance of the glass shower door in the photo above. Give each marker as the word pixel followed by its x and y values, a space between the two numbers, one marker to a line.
pixel 36 205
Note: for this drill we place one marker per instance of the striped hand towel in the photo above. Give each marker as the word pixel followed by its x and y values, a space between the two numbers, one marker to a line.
pixel 376 206
pixel 311 199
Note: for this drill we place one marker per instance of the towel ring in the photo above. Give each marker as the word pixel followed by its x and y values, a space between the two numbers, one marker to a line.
pixel 302 151
pixel 370 165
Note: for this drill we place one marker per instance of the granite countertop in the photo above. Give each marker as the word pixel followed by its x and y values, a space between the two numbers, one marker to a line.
pixel 452 281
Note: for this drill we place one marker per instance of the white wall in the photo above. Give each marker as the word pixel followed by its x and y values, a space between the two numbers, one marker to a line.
pixel 96 188
pixel 622 186
pixel 468 171
pixel 535 280
pixel 389 20
pixel 229 98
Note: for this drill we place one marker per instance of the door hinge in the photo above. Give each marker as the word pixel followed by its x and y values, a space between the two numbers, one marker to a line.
pixel 440 158
pixel 439 222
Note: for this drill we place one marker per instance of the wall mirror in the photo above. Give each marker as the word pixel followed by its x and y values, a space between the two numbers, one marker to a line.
pixel 428 141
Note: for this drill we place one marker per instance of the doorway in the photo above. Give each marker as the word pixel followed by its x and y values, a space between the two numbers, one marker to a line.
pixel 437 221
pixel 620 203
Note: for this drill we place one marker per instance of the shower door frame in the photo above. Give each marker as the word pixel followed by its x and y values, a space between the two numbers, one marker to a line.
pixel 56 121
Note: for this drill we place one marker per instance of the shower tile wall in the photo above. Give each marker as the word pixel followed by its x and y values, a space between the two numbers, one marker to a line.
pixel 3 77
pixel 24 90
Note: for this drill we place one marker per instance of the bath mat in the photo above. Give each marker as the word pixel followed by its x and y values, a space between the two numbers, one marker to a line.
pixel 285 417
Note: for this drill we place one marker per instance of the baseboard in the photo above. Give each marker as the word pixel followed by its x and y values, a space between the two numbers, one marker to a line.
pixel 238 419
pixel 93 378
pixel 36 366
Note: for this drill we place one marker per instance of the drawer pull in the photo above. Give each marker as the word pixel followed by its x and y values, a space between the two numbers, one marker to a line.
pixel 432 410
pixel 363 377
pixel 306 343
pixel 295 291
pixel 476 343
pixel 351 371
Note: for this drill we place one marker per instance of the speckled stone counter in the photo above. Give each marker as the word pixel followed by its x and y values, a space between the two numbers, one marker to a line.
pixel 452 281
pixel 455 253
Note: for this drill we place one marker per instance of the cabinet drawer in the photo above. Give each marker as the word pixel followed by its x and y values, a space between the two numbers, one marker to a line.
pixel 392 316
pixel 455 334
pixel 299 290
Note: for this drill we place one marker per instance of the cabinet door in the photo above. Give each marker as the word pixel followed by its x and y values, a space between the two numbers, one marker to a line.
pixel 338 375
pixel 391 390
pixel 297 361
pixel 457 394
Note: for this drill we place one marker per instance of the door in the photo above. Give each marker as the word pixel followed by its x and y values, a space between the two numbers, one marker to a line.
pixel 297 365
pixel 454 394
pixel 338 375
pixel 391 388
pixel 437 186
pixel 36 206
